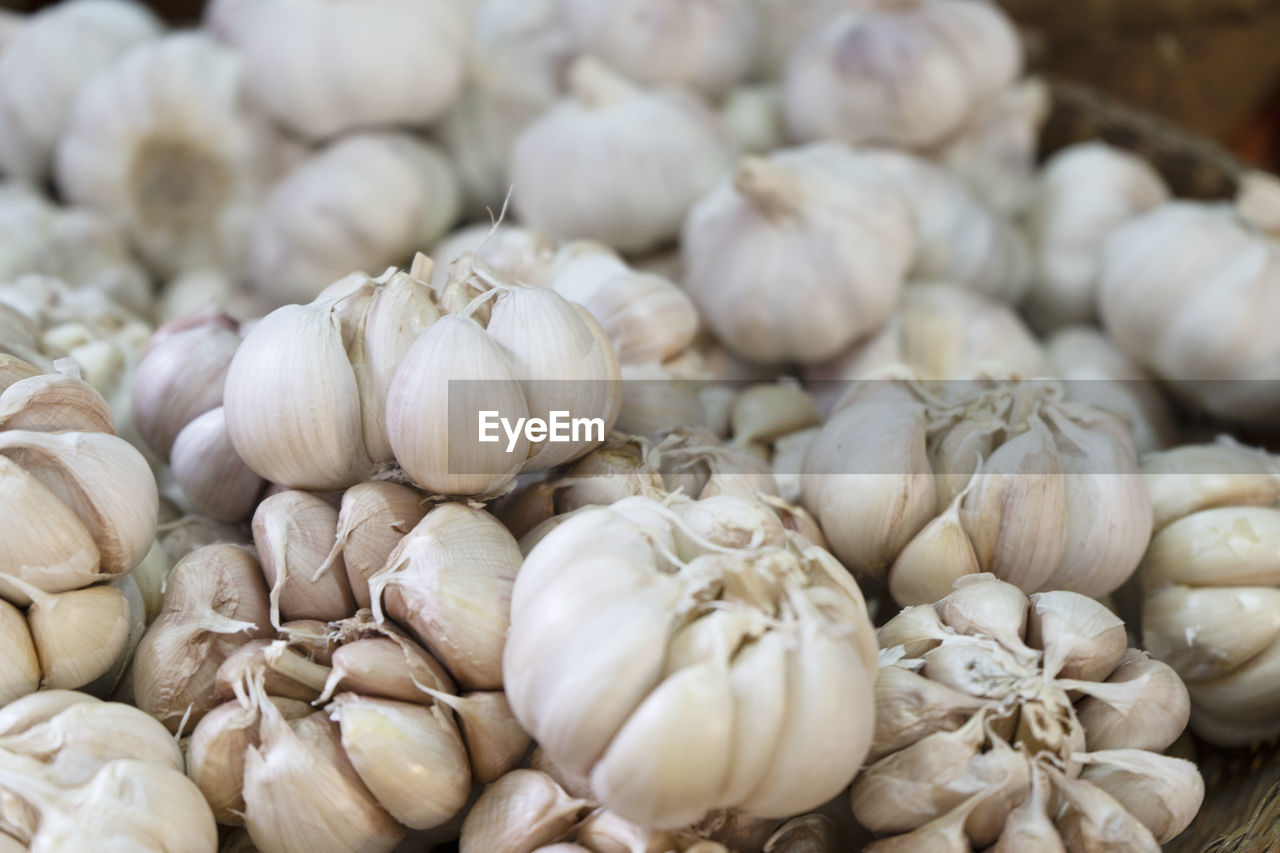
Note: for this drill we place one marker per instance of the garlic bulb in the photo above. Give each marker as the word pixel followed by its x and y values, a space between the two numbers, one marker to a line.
pixel 986 703
pixel 160 143
pixel 937 331
pixel 959 239
pixel 1181 288
pixel 509 250
pixel 995 152
pixel 1097 372
pixel 79 774
pixel 177 404
pixel 321 70
pixel 79 511
pixel 306 392
pixel 702 46
pixel 753 117
pixel 1211 592
pixel 1083 194
pixel 903 72
pixel 646 317
pixel 515 56
pixel 46 63
pixel 363 203
pixel 692 682
pixel 797 255
pixel 784 23
pixel 615 162
pixel 921 483
pixel 75 245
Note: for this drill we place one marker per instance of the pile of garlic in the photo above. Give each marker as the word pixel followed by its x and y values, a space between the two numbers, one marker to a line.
pixel 362 658
pixel 77 773
pixel 1010 724
pixel 1211 588
pixel 78 514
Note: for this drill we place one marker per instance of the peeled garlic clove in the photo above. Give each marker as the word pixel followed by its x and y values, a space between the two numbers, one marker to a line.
pixel 449 581
pixel 1226 546
pixel 495 741
pixel 767 412
pixel 1142 705
pixel 411 757
pixel 373 519
pixel 103 479
pixel 392 669
pixel 79 634
pixel 1163 793
pixel 1207 633
pixel 1080 638
pixel 984 606
pixel 523 810
pixel 1091 819
pixel 210 473
pixel 20 667
pixel 297 764
pixel 450 374
pixel 53 402
pixel 1185 480
pixel 294 533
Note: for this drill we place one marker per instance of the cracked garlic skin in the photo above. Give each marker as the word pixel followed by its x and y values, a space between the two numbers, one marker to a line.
pixel 992 706
pixel 723 661
pixel 919 483
pixel 1211 606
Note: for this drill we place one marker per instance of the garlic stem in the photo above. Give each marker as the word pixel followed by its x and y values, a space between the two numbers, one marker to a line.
pixel 598 86
pixel 770 187
pixel 292 665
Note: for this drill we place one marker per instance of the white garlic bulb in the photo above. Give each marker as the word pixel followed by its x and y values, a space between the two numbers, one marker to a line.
pixel 1095 371
pixel 995 152
pixel 903 72
pixel 73 244
pixel 704 46
pixel 366 202
pixel 921 483
pixel 160 143
pixel 1210 588
pixel 1083 194
pixel 515 58
pixel 986 703
pixel 753 117
pixel 1182 290
pixel 616 162
pixel 51 56
pixel 509 250
pixel 322 69
pixel 959 239
pixel 937 331
pixel 797 254
pixel 689 679
pixel 784 24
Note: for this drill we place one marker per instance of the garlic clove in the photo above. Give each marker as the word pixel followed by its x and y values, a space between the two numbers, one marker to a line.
pixel 609 831
pixel 934 561
pixel 1006 775
pixel 495 741
pixel 411 757
pixel 577 786
pixel 1142 705
pixel 20 666
pixel 1185 480
pixel 1236 709
pixel 1028 826
pixel 1207 633
pixel 917 628
pixel 1080 637
pixel 215 758
pixel 210 473
pixel 943 834
pixel 1226 546
pixel 285 673
pixel 79 634
pixel 984 606
pixel 522 811
pixel 449 581
pixel 910 706
pixel 768 412
pixel 451 373
pixel 294 533
pixel 1163 793
pixel 14 369
pixel 373 519
pixel 811 833
pixel 1092 820
pixel 35 708
pixel 45 541
pixel 388 668
pixel 54 402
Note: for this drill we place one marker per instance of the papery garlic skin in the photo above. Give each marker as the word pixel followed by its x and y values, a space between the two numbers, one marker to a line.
pixel 162 144
pixel 983 716
pixel 45 65
pixel 901 73
pixel 669 724
pixel 515 58
pixel 920 483
pixel 1181 290
pixel 1210 592
pixel 1083 194
pixel 797 255
pixel 514 252
pixel 701 46
pixel 364 203
pixel 321 69
pixel 616 162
